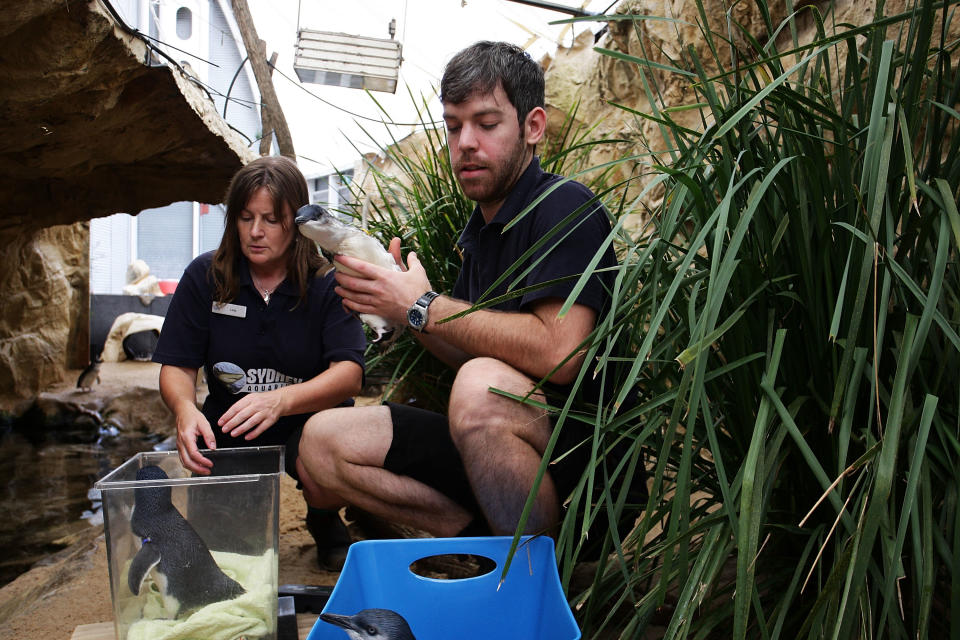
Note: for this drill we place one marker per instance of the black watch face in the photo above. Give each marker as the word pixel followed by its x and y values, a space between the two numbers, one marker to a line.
pixel 415 316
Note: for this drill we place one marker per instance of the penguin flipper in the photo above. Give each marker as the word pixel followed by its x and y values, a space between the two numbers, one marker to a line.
pixel 140 566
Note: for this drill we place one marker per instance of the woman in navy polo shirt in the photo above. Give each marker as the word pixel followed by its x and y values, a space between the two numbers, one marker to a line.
pixel 260 316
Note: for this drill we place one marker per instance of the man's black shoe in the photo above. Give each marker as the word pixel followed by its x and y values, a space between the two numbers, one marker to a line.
pixel 331 536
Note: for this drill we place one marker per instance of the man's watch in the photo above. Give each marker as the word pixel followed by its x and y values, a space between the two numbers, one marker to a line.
pixel 417 315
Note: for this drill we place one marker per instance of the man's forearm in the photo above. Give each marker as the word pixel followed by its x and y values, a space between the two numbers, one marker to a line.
pixel 447 353
pixel 533 342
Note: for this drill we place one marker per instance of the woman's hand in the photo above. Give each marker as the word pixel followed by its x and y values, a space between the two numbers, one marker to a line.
pixel 253 414
pixel 178 390
pixel 191 424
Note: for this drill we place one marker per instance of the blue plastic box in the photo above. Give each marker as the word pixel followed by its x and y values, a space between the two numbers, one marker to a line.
pixel 529 604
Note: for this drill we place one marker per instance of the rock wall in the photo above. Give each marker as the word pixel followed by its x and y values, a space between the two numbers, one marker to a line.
pixel 593 83
pixel 91 125
pixel 44 280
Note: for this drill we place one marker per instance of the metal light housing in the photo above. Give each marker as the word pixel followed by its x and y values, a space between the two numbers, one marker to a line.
pixel 343 60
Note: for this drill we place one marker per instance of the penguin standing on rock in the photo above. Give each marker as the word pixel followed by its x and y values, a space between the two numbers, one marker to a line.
pixel 187 571
pixel 89 375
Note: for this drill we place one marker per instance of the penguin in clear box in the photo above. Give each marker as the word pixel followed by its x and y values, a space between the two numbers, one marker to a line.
pixel 182 564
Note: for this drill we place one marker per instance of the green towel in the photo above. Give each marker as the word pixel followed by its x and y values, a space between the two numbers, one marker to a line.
pixel 252 615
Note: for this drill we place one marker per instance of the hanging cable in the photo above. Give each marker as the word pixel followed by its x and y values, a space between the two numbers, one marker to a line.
pixel 236 75
pixel 147 38
pixel 151 47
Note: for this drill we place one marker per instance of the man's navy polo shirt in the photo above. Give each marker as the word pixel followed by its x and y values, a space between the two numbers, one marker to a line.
pixel 271 345
pixel 489 251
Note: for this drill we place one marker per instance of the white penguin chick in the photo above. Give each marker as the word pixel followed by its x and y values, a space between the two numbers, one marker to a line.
pixel 339 238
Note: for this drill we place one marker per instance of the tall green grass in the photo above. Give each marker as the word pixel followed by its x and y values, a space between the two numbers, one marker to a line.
pixel 795 319
pixel 790 318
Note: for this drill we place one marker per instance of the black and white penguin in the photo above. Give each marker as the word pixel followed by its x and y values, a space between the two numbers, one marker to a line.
pixel 338 238
pixel 89 375
pixel 187 571
pixel 372 624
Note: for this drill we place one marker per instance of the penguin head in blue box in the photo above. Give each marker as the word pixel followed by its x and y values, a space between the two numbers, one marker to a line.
pixel 372 624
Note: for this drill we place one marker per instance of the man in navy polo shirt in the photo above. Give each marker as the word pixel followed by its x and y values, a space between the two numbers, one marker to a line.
pixel 472 470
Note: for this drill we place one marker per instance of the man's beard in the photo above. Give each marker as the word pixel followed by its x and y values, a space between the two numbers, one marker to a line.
pixel 499 179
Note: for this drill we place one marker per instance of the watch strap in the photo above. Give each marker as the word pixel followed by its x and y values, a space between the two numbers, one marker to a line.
pixel 425 300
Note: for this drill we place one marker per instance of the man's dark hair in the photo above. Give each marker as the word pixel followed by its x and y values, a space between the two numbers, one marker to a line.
pixel 481 66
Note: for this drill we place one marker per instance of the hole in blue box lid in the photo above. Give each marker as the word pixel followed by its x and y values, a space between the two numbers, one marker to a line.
pixel 452 566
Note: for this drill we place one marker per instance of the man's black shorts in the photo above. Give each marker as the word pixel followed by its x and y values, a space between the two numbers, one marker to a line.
pixel 423 450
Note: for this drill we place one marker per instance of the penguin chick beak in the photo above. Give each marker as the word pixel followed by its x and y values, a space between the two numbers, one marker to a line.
pixel 344 622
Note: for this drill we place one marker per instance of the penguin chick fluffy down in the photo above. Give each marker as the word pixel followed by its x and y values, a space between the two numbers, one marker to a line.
pixel 338 238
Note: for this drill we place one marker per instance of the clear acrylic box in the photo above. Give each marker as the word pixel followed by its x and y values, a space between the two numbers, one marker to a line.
pixel 194 556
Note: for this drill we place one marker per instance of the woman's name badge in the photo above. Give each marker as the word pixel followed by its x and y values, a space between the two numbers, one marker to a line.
pixel 235 310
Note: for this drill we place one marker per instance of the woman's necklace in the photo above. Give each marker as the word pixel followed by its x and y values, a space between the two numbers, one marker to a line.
pixel 265 292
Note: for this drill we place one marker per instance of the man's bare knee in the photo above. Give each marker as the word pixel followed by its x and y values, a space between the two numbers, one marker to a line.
pixel 318 442
pixel 337 439
pixel 470 397
pixel 475 378
pixel 474 407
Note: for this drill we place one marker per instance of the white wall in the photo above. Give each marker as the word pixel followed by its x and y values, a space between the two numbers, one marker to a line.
pixel 110 252
pixel 167 238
